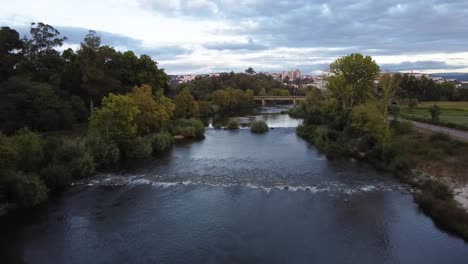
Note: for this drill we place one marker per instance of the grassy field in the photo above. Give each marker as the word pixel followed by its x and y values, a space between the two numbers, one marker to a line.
pixel 454 114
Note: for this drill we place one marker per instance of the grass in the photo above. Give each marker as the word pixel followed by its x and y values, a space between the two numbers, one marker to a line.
pixel 453 114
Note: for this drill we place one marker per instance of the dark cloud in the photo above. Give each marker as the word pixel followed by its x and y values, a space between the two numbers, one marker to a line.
pixel 391 26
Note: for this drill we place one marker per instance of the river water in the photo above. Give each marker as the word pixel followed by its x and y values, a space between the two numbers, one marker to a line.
pixel 234 197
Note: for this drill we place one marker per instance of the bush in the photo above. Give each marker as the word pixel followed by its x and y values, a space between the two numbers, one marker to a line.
pixel 27 190
pixel 259 127
pixel 161 141
pixel 138 148
pixel 29 147
pixel 191 128
pixel 435 112
pixel 105 152
pixel 56 176
pixel 67 160
pixel 401 127
pixel 233 124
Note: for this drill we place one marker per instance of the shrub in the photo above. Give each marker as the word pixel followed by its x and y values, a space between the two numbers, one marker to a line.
pixel 191 128
pixel 27 190
pixel 104 152
pixel 56 176
pixel 69 161
pixel 138 148
pixel 259 127
pixel 233 124
pixel 29 147
pixel 8 156
pixel 161 141
pixel 401 127
pixel 435 112
pixel 412 103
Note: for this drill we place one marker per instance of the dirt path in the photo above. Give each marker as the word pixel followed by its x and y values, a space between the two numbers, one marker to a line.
pixel 455 133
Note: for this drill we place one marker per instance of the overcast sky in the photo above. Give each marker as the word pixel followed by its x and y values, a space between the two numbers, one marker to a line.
pixel 204 36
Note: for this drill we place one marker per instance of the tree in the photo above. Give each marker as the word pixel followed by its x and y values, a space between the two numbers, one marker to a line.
pixel 435 112
pixel 185 105
pixel 388 87
pixel 154 114
pixel 10 43
pixel 40 57
pixel 356 74
pixel 250 70
pixel 369 119
pixel 116 119
pixel 95 83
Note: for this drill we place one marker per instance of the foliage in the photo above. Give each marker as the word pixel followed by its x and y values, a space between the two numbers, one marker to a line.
pixel 161 141
pixel 116 119
pixel 259 127
pixel 369 119
pixel 27 189
pixel 29 148
pixel 232 100
pixel 185 105
pixel 233 124
pixel 190 128
pixel 137 148
pixel 105 152
pixel 154 115
pixel 435 112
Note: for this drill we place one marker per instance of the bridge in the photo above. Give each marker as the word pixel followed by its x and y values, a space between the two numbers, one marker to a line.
pixel 279 98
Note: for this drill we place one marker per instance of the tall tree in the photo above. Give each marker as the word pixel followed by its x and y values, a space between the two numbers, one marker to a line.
pixel 10 44
pixel 41 59
pixel 94 82
pixel 359 72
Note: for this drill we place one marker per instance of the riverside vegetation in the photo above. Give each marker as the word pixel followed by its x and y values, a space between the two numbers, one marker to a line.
pixel 352 119
pixel 43 97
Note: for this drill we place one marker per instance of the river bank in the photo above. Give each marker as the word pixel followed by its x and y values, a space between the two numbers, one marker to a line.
pixel 234 196
pixel 433 164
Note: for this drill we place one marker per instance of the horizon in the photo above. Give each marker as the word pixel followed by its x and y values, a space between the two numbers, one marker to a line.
pixel 212 36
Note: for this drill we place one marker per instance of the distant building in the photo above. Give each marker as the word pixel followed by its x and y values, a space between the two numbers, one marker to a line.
pixel 297 74
pixel 464 85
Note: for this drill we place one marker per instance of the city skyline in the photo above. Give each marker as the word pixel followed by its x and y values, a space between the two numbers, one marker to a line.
pixel 222 36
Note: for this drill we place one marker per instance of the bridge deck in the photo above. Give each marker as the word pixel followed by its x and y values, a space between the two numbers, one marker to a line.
pixel 279 98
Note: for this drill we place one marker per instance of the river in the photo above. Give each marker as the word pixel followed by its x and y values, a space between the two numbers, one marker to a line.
pixel 234 197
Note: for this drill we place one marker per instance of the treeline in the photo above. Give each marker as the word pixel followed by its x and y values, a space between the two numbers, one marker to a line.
pixel 351 119
pixel 425 89
pixel 42 90
pixel 231 93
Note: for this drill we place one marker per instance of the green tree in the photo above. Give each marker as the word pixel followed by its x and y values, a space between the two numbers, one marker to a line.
pixel 368 118
pixel 40 56
pixel 95 82
pixel 116 119
pixel 353 80
pixel 154 115
pixel 10 42
pixel 185 105
pixel 388 87
pixel 435 112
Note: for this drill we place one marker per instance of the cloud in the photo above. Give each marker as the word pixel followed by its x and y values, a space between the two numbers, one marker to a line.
pixel 421 66
pixel 249 45
pixel 270 34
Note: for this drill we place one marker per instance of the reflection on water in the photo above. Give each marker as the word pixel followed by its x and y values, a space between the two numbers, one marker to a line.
pixel 274 116
pixel 234 197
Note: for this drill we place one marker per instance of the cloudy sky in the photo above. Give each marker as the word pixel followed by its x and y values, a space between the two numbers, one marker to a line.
pixel 202 36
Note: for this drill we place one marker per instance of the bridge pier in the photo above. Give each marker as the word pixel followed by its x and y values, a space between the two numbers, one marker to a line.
pixel 263 102
pixel 294 102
